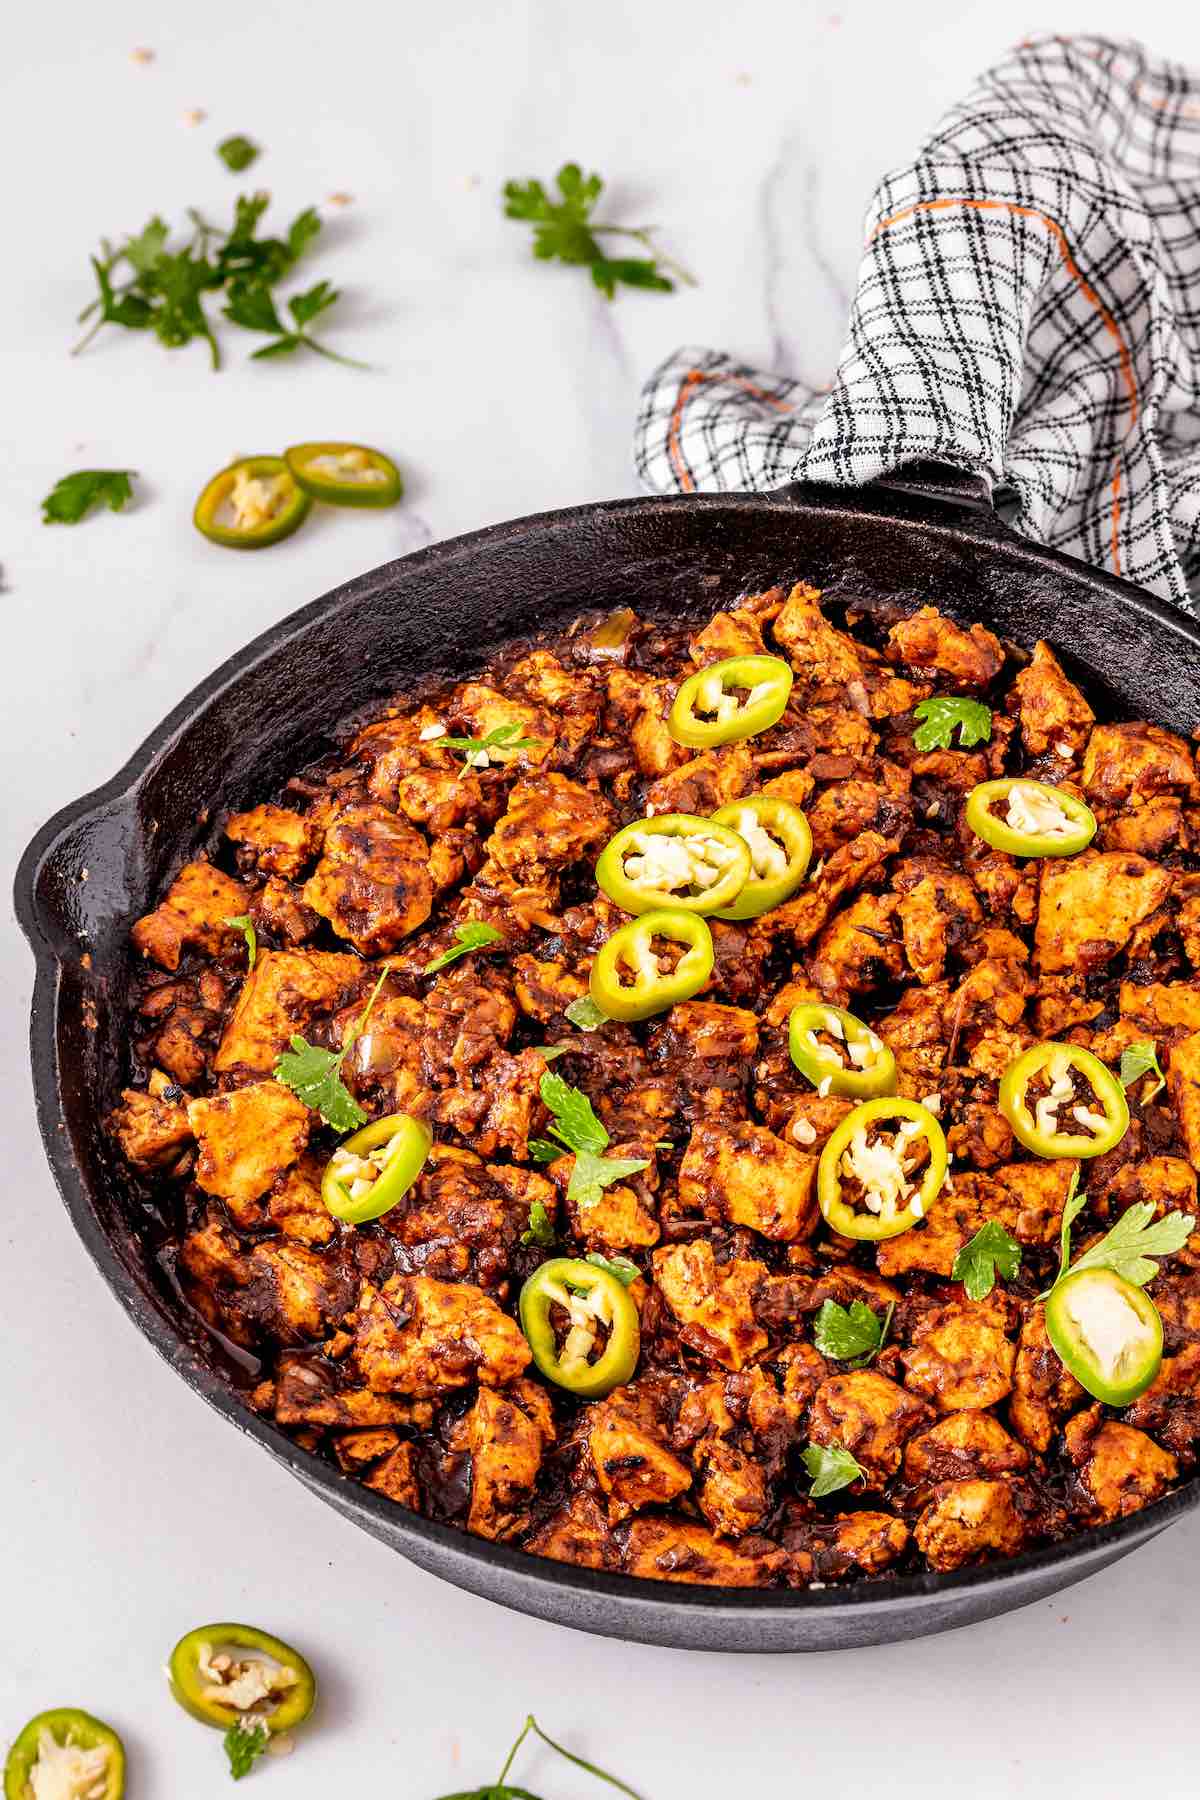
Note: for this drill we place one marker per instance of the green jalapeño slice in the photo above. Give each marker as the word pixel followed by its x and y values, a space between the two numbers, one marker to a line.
pixel 881 1169
pixel 65 1752
pixel 730 700
pixel 780 851
pixel 1107 1332
pixel 252 503
pixel 651 963
pixel 839 1054
pixel 371 1171
pixel 581 1325
pixel 1061 1101
pixel 345 474
pixel 674 862
pixel 1029 818
pixel 229 1674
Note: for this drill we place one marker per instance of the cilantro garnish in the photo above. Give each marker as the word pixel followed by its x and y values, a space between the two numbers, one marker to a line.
pixel 474 935
pixel 541 1230
pixel 585 1015
pixel 500 1788
pixel 625 1271
pixel 238 152
pixel 245 925
pixel 1132 1245
pixel 315 1075
pixel 475 749
pixel 944 714
pixel 831 1467
pixel 991 1252
pixel 245 1742
pixel 1139 1060
pixel 252 307
pixel 851 1334
pixel 577 1129
pixel 564 230
pixel 71 498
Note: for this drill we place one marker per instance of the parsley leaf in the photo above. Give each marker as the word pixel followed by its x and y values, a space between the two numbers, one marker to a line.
pixel 474 935
pixel 845 1332
pixel 543 1151
pixel 504 737
pixel 831 1467
pixel 315 1075
pixel 945 713
pixel 541 1229
pixel 1139 1060
pixel 575 1124
pixel 245 1742
pixel 1073 1205
pixel 502 1789
pixel 238 152
pixel 592 1174
pixel 625 1271
pixel 564 230
pixel 991 1252
pixel 70 499
pixel 1134 1241
pixel 585 1014
pixel 245 925
pixel 552 1052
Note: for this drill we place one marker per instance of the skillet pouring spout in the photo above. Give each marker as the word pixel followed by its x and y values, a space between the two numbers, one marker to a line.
pixel 442 611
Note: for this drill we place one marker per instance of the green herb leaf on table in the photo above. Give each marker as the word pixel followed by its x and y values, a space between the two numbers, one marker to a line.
pixel 564 230
pixel 853 1332
pixel 1133 1244
pixel 541 1230
pixel 474 935
pixel 315 1075
pixel 245 1742
pixel 503 1789
pixel 991 1252
pixel 625 1271
pixel 585 1015
pixel 74 496
pixel 477 750
pixel 943 715
pixel 1139 1060
pixel 831 1467
pixel 238 152
pixel 245 925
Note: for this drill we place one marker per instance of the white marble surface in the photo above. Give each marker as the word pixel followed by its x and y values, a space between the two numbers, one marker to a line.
pixel 754 133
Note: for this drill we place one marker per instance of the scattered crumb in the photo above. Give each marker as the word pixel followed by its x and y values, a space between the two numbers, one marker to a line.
pixel 86 959
pixel 743 78
pixel 141 55
pixel 84 875
pixel 195 115
pixel 341 199
pixel 283 1745
pixel 471 181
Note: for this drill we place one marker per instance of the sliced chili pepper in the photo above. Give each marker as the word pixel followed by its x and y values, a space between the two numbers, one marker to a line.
pixel 345 474
pixel 780 851
pixel 628 979
pixel 708 709
pixel 853 1060
pixel 894 1195
pixel 589 1299
pixel 1029 818
pixel 1107 1332
pixel 252 503
pixel 214 1681
pixel 371 1171
pixel 674 862
pixel 1053 1068
pixel 72 1753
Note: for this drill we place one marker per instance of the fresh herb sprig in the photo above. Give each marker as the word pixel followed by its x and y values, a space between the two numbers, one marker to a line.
pixel 852 1334
pixel 502 1789
pixel 564 230
pixel 541 1228
pixel 625 1271
pixel 245 924
pixel 315 1075
pixel 946 713
pixel 74 496
pixel 245 1742
pixel 238 152
pixel 1138 1060
pixel 585 1015
pixel 474 935
pixel 576 1128
pixel 147 283
pixel 991 1252
pixel 831 1467
pixel 477 749
pixel 1132 1246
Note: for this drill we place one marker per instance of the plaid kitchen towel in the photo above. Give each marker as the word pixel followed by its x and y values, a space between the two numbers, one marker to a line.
pixel 1028 308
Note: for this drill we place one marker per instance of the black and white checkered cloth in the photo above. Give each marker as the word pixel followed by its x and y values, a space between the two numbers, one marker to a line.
pixel 1028 308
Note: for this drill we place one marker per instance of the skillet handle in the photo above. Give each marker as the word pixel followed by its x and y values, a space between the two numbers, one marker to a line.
pixel 939 483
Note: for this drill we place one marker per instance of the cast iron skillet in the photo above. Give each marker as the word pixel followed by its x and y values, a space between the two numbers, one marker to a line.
pixel 266 712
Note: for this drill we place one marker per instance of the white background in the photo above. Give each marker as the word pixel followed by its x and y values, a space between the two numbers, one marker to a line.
pixel 754 132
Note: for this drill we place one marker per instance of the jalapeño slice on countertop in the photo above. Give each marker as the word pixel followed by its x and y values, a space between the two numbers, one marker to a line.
pixel 252 503
pixel 1038 1085
pixel 1107 1332
pixel 881 1169
pixel 832 1046
pixel 674 862
pixel 65 1752
pixel 1029 818
pixel 649 964
pixel 581 1325
pixel 229 1674
pixel 345 474
pixel 729 700
pixel 780 851
pixel 372 1171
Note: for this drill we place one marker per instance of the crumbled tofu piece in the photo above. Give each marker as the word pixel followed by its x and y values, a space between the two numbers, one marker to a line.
pixel 430 732
pixel 1031 811
pixel 67 1771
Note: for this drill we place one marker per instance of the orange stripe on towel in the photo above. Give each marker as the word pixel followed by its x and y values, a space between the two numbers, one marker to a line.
pixel 694 379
